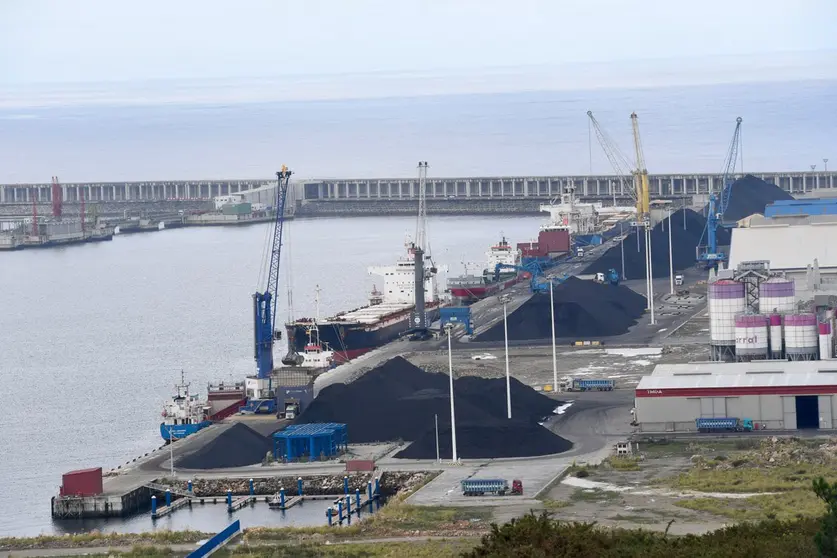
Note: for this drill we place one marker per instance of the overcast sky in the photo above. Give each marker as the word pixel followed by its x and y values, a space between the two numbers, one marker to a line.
pixel 61 41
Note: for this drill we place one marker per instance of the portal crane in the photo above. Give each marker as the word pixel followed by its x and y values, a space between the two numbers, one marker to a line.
pixel 265 303
pixel 708 252
pixel 643 201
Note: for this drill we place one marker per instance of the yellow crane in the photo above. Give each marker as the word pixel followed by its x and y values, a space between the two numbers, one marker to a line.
pixel 640 177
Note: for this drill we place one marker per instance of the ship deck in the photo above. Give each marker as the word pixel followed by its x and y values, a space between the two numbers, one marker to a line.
pixel 368 314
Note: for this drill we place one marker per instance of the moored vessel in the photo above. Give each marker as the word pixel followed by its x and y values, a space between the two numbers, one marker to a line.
pixel 184 415
pixel 502 270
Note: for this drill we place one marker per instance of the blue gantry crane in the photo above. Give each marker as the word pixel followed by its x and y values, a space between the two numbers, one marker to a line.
pixel 264 309
pixel 538 282
pixel 708 252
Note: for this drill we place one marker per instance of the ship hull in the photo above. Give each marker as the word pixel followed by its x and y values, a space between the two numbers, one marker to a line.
pixel 478 292
pixel 349 341
pixel 180 431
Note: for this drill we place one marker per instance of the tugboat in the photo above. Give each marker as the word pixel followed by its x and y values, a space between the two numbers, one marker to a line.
pixel 184 415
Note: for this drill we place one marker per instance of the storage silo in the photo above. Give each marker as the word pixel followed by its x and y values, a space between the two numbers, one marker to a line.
pixel 801 337
pixel 777 295
pixel 826 350
pixel 726 300
pixel 775 336
pixel 751 338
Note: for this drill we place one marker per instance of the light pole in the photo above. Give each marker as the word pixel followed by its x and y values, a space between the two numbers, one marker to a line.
pixel 448 328
pixel 554 355
pixel 670 256
pixel 438 459
pixel 622 244
pixel 171 452
pixel 505 300
pixel 825 164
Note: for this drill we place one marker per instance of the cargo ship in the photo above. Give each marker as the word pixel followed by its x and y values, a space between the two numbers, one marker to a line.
pixel 386 317
pixel 588 224
pixel 184 415
pixel 471 287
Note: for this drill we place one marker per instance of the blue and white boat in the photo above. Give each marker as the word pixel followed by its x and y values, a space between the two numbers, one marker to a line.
pixel 184 415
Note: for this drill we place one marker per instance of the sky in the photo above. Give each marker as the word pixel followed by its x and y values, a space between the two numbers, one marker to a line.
pixel 337 48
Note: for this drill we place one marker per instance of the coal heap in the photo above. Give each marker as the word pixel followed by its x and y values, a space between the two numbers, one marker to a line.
pixel 751 195
pixel 237 446
pixel 583 309
pixel 399 401
pixel 684 243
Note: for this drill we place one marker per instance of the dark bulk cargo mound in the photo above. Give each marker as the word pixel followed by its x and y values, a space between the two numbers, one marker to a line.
pixel 583 308
pixel 399 401
pixel 751 195
pixel 237 446
pixel 684 242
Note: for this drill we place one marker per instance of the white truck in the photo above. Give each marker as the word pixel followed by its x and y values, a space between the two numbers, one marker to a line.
pixel 678 280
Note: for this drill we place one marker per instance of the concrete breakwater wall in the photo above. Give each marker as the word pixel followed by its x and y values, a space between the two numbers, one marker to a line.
pixel 109 209
pixel 313 485
pixel 348 208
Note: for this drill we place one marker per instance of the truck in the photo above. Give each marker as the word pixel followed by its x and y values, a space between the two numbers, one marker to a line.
pixel 678 280
pixel 724 424
pixel 291 409
pixel 579 252
pixel 480 487
pixel 587 384
pixel 612 277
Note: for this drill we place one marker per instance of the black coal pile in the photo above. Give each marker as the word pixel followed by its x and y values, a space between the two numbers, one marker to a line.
pixel 751 195
pixel 237 446
pixel 687 232
pixel 399 401
pixel 479 441
pixel 583 309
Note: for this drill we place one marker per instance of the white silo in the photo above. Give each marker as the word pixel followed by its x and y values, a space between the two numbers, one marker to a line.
pixel 775 336
pixel 777 295
pixel 751 337
pixel 801 337
pixel 726 300
pixel 826 348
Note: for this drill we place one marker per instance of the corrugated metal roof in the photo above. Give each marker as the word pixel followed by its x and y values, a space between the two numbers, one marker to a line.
pixel 726 368
pixel 786 246
pixel 814 377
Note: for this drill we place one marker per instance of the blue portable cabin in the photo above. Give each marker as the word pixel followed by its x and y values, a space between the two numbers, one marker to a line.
pixel 818 206
pixel 312 441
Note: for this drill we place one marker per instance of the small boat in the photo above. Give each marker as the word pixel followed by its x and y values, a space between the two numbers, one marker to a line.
pixel 184 415
pixel 275 502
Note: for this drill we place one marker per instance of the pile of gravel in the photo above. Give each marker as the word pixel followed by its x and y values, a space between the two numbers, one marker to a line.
pixel 583 309
pixel 399 401
pixel 237 446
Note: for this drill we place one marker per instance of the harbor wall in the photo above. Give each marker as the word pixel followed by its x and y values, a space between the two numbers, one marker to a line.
pixel 103 505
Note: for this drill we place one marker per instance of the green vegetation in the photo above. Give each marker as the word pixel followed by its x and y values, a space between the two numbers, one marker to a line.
pixel 554 505
pixel 794 504
pixel 622 463
pixel 744 477
pixel 594 495
pixel 101 539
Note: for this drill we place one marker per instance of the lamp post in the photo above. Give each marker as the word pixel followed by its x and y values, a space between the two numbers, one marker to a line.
pixel 448 328
pixel 622 244
pixel 670 256
pixel 554 354
pixel 505 300
pixel 171 452
pixel 825 164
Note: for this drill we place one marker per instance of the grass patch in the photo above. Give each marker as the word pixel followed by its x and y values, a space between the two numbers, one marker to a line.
pixel 623 463
pixel 634 518
pixel 787 506
pixel 447 548
pixel 594 495
pixel 747 479
pixel 554 505
pixel 102 539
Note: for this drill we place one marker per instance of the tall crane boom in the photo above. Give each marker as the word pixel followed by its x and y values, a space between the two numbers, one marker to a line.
pixel 265 303
pixel 643 202
pixel 708 252
pixel 621 165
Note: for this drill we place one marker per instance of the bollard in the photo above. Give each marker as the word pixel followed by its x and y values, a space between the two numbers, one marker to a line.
pixel 369 491
pixel 328 515
pixel 349 509
pixel 377 486
pixel 189 486
pixel 229 500
pixel 340 511
pixel 168 497
pixel 345 485
pixel 252 491
pixel 299 486
pixel 377 502
pixel 153 506
pixel 282 498
pixel 357 499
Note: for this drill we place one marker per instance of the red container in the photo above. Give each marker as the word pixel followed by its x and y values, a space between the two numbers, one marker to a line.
pixel 554 242
pixel 84 482
pixel 356 465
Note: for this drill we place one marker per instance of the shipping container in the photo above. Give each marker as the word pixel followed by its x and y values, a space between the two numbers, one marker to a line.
pixel 84 482
pixel 237 209
pixel 360 465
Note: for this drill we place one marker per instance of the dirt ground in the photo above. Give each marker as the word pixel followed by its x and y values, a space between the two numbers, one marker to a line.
pixel 533 365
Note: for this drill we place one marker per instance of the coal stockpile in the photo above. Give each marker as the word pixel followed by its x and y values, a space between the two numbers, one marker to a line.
pixel 750 195
pixel 583 309
pixel 687 232
pixel 237 446
pixel 399 401
pixel 479 441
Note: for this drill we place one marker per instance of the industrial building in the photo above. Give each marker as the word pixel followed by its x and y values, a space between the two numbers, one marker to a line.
pixel 776 395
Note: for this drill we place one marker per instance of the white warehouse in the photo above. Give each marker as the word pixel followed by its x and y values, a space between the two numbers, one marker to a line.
pixel 776 395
